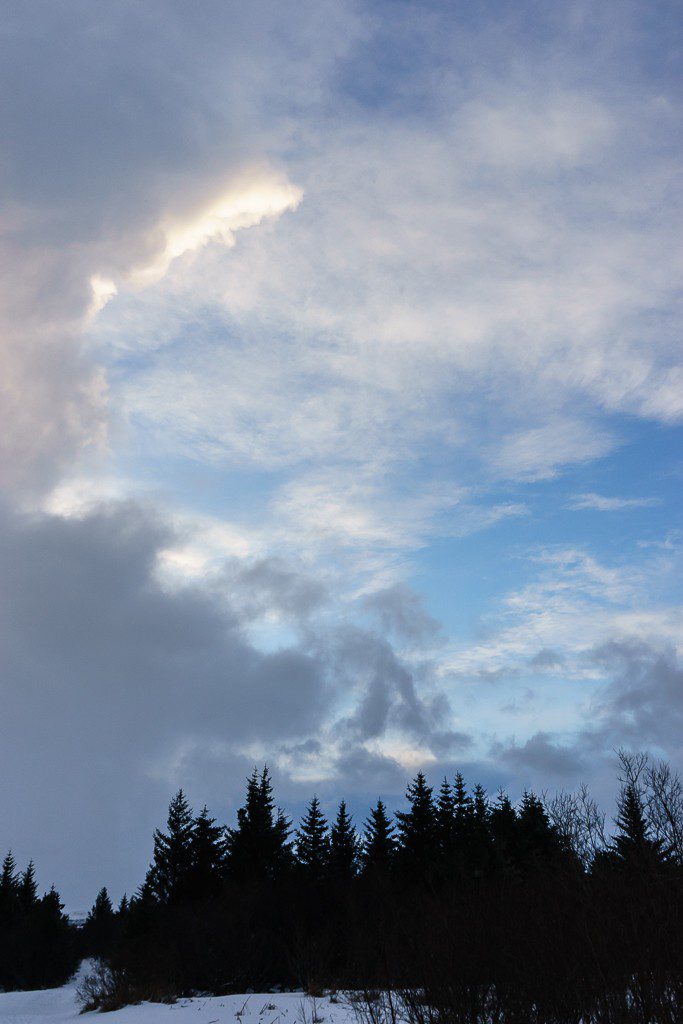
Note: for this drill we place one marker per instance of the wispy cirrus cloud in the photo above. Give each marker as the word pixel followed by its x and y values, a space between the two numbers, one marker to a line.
pixel 602 503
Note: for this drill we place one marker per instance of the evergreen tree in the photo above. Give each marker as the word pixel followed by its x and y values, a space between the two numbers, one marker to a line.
pixel 147 892
pixel 379 844
pixel 259 846
pixel 479 846
pixel 9 879
pixel 343 860
pixel 123 907
pixel 312 840
pixel 100 926
pixel 171 872
pixel 503 824
pixel 464 810
pixel 54 952
pixel 9 888
pixel 101 909
pixel 208 856
pixel 480 807
pixel 537 838
pixel 445 820
pixel 28 888
pixel 418 840
pixel 633 844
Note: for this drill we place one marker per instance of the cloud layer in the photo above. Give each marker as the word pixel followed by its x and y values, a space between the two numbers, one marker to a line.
pixel 323 327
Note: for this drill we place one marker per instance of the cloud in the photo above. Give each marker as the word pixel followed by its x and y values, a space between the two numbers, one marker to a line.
pixel 541 756
pixel 116 683
pixel 600 503
pixel 539 453
pixel 399 610
pixel 273 586
pixel 116 163
pixel 642 706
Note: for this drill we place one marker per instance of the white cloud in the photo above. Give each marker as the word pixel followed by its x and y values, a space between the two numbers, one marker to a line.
pixel 259 194
pixel 601 503
pixel 575 603
pixel 541 452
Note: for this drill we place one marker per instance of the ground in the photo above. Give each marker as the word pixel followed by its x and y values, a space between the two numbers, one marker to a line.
pixel 59 1005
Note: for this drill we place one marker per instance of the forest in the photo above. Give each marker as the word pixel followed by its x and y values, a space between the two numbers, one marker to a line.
pixel 459 909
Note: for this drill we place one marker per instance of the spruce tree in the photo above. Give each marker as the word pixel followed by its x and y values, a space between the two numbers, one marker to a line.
pixel 537 838
pixel 633 844
pixel 100 926
pixel 379 844
pixel 343 861
pixel 9 879
pixel 54 949
pixel 259 846
pixel 312 841
pixel 479 845
pixel 170 875
pixel 504 833
pixel 28 888
pixel 418 839
pixel 101 909
pixel 464 810
pixel 208 856
pixel 445 820
pixel 9 888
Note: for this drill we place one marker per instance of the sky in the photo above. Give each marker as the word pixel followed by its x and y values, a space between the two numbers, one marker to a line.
pixel 341 400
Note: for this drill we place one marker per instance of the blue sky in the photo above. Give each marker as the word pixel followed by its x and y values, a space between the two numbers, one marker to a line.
pixel 342 397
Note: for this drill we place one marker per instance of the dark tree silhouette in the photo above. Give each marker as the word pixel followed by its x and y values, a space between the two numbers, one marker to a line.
pixel 343 855
pixel 633 843
pixel 170 877
pixel 28 889
pixel 208 852
pixel 9 888
pixel 417 830
pixel 259 846
pixel 379 843
pixel 445 821
pixel 312 841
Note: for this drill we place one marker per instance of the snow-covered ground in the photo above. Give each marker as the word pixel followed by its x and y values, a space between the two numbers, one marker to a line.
pixel 59 1005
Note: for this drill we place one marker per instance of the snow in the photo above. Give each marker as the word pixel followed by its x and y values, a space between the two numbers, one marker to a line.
pixel 59 1006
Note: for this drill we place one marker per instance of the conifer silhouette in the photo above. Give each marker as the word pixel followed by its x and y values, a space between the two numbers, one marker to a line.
pixel 343 855
pixel 170 875
pixel 259 846
pixel 417 829
pixel 208 850
pixel 28 888
pixel 445 820
pixel 312 840
pixel 633 844
pixel 379 843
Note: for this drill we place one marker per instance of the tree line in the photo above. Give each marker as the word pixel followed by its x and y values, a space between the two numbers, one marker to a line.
pixel 38 946
pixel 463 908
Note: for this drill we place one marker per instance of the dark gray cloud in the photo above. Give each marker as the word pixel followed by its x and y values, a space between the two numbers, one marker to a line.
pixel 368 664
pixel 540 758
pixel 640 707
pixel 116 689
pixel 399 610
pixel 643 703
pixel 273 584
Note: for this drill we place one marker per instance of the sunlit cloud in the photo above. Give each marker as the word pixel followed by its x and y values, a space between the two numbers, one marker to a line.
pixel 245 204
